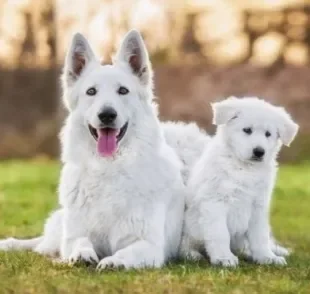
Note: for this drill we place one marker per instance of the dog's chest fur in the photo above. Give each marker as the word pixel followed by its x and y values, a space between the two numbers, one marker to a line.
pixel 112 204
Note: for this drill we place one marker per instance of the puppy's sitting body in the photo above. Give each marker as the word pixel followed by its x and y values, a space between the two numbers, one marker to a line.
pixel 232 183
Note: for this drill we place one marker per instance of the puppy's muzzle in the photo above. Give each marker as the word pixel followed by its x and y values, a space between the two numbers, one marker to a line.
pixel 258 153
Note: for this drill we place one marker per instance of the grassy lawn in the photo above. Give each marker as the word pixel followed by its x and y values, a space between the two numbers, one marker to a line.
pixel 28 194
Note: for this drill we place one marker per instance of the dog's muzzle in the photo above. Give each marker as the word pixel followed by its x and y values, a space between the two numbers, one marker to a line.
pixel 108 138
pixel 258 154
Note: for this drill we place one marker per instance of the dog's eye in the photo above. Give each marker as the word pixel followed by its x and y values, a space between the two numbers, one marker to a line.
pixel 267 134
pixel 122 90
pixel 248 131
pixel 91 91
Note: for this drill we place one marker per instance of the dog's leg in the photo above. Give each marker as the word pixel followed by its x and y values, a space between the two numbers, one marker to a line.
pixel 140 254
pixel 50 244
pixel 79 250
pixel 216 235
pixel 76 247
pixel 259 238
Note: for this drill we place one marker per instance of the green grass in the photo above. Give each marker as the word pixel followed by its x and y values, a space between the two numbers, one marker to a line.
pixel 28 194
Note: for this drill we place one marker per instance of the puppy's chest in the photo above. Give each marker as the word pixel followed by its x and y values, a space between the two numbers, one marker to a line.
pixel 244 192
pixel 244 187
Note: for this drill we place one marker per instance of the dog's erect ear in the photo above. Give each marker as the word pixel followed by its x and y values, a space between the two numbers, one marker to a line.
pixel 224 111
pixel 134 53
pixel 286 126
pixel 78 57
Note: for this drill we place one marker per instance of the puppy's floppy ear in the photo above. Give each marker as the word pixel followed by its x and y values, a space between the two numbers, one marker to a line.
pixel 286 126
pixel 78 57
pixel 134 54
pixel 225 110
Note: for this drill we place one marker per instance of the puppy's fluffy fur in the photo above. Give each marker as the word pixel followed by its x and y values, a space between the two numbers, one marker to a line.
pixel 231 184
pixel 124 210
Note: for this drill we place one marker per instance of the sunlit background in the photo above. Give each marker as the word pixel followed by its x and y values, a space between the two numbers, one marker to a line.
pixel 202 50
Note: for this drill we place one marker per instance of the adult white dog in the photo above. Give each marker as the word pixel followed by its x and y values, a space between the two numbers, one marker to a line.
pixel 232 183
pixel 188 141
pixel 121 191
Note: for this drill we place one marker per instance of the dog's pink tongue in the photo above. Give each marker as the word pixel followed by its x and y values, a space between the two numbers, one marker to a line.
pixel 107 142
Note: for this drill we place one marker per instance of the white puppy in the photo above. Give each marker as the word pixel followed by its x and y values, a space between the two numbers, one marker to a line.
pixel 232 183
pixel 121 191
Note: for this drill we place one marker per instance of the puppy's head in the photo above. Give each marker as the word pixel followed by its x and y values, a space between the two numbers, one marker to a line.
pixel 253 129
pixel 106 99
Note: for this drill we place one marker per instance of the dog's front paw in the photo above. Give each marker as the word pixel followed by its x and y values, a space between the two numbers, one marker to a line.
pixel 83 255
pixel 226 261
pixel 270 259
pixel 110 262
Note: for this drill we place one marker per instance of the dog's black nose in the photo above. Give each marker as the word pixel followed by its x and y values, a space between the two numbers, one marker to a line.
pixel 107 116
pixel 258 152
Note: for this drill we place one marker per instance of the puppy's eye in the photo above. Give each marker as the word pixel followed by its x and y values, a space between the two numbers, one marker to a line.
pixel 248 131
pixel 91 91
pixel 122 90
pixel 267 134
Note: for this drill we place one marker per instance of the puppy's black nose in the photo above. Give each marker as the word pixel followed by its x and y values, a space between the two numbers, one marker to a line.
pixel 258 152
pixel 107 116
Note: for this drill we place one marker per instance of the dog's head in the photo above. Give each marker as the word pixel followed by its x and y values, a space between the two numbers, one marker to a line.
pixel 106 98
pixel 253 129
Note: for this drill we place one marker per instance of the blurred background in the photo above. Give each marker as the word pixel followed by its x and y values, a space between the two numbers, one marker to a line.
pixel 202 51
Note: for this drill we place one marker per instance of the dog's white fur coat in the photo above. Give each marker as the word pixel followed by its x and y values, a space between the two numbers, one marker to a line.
pixel 119 211
pixel 188 141
pixel 230 193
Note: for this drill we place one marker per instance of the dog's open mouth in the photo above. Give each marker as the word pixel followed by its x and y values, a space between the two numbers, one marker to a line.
pixel 108 138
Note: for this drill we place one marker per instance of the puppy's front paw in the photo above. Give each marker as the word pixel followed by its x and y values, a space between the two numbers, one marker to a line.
pixel 226 261
pixel 84 255
pixel 110 262
pixel 281 251
pixel 270 259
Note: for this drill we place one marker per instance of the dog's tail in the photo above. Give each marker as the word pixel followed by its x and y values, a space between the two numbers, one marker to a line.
pixel 47 244
pixel 20 244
